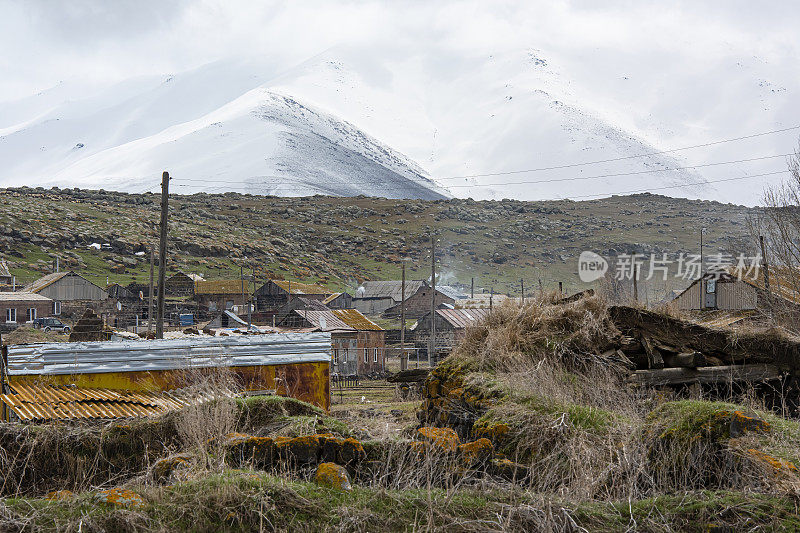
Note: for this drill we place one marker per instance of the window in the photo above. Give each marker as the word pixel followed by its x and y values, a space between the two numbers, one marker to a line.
pixel 366 355
pixel 344 354
pixel 11 315
pixel 375 356
pixel 229 305
pixel 711 286
pixel 212 306
pixel 56 308
pixel 31 314
pixel 336 356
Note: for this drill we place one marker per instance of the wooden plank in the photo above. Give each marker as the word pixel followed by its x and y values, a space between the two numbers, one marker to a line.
pixel 685 360
pixel 708 374
pixel 654 359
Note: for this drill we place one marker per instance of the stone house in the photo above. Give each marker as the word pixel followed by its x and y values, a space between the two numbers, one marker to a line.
pixel 374 297
pixel 451 326
pixel 20 307
pixel 220 295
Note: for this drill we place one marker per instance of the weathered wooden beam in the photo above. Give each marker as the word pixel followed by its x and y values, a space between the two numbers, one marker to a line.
pixel 685 360
pixel 654 359
pixel 708 374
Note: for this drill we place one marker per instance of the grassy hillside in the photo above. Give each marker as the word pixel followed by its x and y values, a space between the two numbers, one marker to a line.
pixel 343 241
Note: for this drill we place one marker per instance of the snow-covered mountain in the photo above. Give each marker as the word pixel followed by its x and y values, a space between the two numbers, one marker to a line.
pixel 386 122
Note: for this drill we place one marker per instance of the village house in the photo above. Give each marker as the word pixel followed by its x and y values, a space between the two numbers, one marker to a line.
pixel 285 315
pixel 742 297
pixel 220 295
pixel 374 297
pixel 419 303
pixel 20 307
pixel 71 293
pixel 339 300
pixel 451 326
pixel 276 293
pixel 358 344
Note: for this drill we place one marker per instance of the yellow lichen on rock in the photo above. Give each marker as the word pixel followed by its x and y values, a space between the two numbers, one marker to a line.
pixel 476 451
pixel 443 438
pixel 120 498
pixel 778 465
pixel 332 476
pixel 60 495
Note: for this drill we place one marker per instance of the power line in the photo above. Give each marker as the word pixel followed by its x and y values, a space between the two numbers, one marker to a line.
pixel 572 165
pixel 690 184
pixel 524 182
pixel 681 185
pixel 577 178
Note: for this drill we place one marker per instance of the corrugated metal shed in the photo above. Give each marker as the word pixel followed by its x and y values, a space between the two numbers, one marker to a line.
pixel 463 318
pixel 167 354
pixel 39 401
pixel 222 286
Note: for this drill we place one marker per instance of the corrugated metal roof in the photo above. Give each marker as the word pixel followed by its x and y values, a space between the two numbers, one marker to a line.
pixel 354 319
pixel 23 297
pixel 300 288
pixel 40 401
pixel 783 282
pixel 331 298
pixel 452 292
pixel 388 289
pixel 4 272
pixel 167 354
pixel 324 320
pixel 463 318
pixel 222 286
pixel 46 281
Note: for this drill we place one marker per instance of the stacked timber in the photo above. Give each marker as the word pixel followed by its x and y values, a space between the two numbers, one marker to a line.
pixel 664 350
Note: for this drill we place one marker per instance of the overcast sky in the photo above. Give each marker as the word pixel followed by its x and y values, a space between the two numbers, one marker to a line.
pixel 45 42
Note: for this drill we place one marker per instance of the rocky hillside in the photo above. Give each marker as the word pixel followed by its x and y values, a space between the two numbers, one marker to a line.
pixel 343 241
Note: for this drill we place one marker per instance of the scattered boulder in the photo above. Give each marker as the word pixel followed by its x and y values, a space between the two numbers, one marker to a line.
pixel 443 438
pixel 333 476
pixel 165 468
pixel 476 452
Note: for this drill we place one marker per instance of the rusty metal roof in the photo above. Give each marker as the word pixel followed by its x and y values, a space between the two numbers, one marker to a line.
pixel 354 319
pixel 41 401
pixel 324 320
pixel 463 318
pixel 300 288
pixel 331 297
pixel 222 286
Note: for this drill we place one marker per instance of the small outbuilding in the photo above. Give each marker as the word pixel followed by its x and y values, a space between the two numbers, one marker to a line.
pixel 20 307
pixel 70 292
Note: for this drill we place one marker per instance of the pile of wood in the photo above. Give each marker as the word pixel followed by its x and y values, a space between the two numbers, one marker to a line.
pixel 663 350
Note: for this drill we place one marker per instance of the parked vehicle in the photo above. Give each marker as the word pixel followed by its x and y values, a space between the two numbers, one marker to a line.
pixel 51 324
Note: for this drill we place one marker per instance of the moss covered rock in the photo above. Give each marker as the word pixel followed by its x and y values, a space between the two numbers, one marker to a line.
pixel 333 476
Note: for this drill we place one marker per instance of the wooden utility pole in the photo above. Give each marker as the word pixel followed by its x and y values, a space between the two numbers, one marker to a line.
pixel 150 294
pixel 241 281
pixel 636 283
pixel 702 272
pixel 250 305
pixel 432 341
pixel 560 289
pixel 764 263
pixel 472 288
pixel 522 289
pixel 403 356
pixel 162 254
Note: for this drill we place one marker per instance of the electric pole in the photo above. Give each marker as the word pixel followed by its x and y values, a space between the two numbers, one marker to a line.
pixel 403 358
pixel 150 294
pixel 162 254
pixel 432 342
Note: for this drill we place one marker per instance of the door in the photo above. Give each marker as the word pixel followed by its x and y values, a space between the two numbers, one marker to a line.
pixel 711 294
